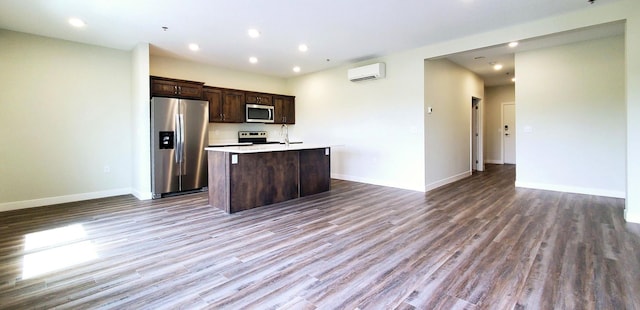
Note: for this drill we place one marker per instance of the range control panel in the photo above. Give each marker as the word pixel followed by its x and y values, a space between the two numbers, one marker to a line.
pixel 252 136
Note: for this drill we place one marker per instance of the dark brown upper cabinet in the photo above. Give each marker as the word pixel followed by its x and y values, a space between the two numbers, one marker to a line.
pixel 225 105
pixel 258 98
pixel 166 87
pixel 284 109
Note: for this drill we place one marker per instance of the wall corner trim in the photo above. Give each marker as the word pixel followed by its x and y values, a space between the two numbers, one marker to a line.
pixel 446 181
pixel 142 195
pixel 633 219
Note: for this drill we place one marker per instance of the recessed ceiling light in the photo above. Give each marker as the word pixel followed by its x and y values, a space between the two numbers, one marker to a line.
pixel 513 44
pixel 296 69
pixel 194 47
pixel 76 22
pixel 254 33
pixel 253 60
pixel 497 67
pixel 303 47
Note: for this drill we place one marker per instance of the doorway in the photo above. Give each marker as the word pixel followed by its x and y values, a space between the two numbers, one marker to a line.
pixel 509 133
pixel 477 158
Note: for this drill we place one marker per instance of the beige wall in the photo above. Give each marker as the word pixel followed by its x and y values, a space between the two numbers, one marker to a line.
pixel 376 126
pixel 65 117
pixel 495 96
pixel 571 122
pixel 448 90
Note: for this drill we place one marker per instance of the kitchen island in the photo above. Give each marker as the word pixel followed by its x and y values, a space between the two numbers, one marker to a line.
pixel 246 177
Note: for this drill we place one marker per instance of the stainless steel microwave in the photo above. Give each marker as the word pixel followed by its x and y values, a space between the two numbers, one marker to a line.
pixel 258 113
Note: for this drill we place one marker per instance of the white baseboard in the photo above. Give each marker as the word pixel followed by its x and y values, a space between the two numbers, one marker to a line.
pixel 572 189
pixel 494 161
pixel 24 204
pixel 633 218
pixel 345 177
pixel 446 181
pixel 141 195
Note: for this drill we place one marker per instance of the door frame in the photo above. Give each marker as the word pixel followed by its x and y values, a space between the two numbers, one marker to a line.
pixel 502 129
pixel 476 102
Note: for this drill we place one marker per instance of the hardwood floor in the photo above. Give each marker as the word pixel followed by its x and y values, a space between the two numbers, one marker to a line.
pixel 479 243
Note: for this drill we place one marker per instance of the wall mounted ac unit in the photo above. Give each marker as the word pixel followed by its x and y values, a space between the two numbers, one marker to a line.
pixel 369 72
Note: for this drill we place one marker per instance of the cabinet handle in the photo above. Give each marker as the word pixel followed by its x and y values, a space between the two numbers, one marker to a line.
pixel 221 117
pixel 179 89
pixel 175 89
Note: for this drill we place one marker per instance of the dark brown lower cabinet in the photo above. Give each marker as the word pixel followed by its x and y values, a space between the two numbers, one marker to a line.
pixel 242 181
pixel 315 171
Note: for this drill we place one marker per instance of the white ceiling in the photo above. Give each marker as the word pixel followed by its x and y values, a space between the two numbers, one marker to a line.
pixel 337 32
pixel 480 61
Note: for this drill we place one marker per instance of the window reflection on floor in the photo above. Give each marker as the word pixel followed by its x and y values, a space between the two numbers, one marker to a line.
pixel 55 249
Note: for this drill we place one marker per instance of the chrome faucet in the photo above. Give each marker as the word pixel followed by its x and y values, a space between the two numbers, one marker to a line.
pixel 284 132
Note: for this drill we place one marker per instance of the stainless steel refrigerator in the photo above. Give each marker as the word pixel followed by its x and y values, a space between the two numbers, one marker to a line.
pixel 179 135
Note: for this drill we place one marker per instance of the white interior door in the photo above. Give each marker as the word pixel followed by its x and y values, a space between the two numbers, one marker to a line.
pixel 509 133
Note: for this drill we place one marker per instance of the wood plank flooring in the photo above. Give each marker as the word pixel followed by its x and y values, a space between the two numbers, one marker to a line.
pixel 479 243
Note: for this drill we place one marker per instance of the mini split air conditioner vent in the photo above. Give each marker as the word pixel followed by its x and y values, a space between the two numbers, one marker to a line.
pixel 369 72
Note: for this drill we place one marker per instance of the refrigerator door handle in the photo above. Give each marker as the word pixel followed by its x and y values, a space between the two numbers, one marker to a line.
pixel 177 152
pixel 179 137
pixel 181 129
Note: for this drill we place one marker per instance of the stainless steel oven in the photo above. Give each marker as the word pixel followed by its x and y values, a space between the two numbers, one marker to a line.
pixel 258 113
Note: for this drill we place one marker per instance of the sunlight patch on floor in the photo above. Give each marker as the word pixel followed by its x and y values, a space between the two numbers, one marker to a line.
pixel 56 249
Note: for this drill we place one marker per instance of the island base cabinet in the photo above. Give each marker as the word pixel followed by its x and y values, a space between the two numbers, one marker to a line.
pixel 315 171
pixel 259 179
pixel 242 181
pixel 218 163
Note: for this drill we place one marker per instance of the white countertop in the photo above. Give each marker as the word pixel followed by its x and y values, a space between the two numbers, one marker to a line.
pixel 261 148
pixel 220 144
